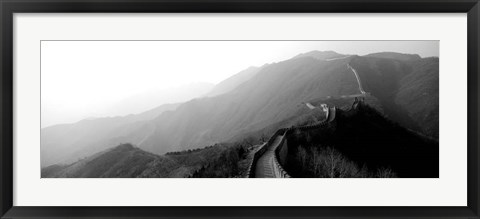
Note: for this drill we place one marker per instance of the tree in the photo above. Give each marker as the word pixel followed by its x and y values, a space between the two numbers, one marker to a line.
pixel 249 141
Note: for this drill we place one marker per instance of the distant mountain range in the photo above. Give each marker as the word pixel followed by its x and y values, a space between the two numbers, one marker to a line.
pixel 261 99
pixel 150 99
pixel 69 142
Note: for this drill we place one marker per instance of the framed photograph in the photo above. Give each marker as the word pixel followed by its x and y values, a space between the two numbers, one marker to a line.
pixel 239 109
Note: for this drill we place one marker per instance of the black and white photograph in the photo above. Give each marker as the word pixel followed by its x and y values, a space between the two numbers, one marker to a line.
pixel 239 109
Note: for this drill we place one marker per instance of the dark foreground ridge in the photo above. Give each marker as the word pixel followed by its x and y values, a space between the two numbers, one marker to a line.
pixel 361 134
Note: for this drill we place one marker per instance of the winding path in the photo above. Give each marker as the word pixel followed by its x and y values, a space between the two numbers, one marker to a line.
pixel 267 166
pixel 358 78
pixel 264 168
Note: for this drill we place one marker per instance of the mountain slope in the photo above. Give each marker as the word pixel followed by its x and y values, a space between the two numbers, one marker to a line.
pixel 141 102
pixel 127 161
pixel 418 94
pixel 234 81
pixel 407 90
pixel 270 96
pixel 121 161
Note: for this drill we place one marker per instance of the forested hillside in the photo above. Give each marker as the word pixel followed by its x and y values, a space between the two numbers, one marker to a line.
pixel 128 161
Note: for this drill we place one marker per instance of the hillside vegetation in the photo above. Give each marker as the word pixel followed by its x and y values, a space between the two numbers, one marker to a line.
pixel 362 143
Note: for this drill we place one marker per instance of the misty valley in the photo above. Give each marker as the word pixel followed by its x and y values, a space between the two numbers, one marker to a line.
pixel 319 114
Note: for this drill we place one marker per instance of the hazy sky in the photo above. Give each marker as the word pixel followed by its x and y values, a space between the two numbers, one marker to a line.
pixel 82 79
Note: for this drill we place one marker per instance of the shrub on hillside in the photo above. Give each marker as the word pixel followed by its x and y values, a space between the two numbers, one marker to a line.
pixel 225 165
pixel 327 162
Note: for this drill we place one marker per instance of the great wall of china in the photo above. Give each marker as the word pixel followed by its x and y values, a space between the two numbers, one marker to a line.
pixel 269 160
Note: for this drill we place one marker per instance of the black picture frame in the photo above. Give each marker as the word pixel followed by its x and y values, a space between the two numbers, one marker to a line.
pixel 9 7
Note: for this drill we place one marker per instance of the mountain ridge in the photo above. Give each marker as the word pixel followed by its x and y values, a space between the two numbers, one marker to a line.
pixel 273 94
pixel 234 81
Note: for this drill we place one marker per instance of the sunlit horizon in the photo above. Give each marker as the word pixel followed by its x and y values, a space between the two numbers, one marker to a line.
pixel 85 79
